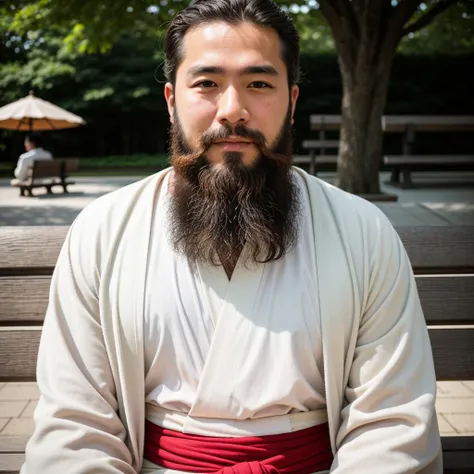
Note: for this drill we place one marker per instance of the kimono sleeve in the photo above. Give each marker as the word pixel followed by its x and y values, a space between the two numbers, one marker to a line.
pixel 77 429
pixel 389 421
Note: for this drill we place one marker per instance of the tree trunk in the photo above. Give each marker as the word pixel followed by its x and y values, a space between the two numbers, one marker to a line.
pixel 366 36
pixel 360 150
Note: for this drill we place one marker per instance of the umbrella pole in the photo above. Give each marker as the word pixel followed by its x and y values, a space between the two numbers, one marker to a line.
pixel 31 124
pixel 19 124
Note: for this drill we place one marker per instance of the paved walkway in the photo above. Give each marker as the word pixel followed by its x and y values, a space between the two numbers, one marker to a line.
pixel 455 406
pixel 433 203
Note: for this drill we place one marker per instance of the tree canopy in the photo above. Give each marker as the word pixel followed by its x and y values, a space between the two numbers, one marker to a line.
pixel 91 27
pixel 44 47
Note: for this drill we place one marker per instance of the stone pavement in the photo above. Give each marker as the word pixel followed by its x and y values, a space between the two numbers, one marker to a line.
pixel 433 202
pixel 455 406
pixel 440 199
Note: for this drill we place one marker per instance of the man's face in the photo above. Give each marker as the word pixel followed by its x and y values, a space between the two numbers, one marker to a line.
pixel 28 145
pixel 231 75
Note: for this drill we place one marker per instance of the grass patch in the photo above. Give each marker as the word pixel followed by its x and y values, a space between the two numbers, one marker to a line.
pixel 124 161
pixel 107 165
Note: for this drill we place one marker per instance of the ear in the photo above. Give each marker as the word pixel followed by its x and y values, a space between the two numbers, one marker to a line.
pixel 295 92
pixel 169 96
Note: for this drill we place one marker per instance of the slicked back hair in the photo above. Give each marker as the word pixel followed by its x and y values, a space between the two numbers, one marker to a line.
pixel 265 13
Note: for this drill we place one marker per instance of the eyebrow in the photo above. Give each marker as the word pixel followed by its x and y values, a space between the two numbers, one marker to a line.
pixel 263 69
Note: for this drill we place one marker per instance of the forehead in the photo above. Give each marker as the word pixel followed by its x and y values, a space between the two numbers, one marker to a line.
pixel 231 46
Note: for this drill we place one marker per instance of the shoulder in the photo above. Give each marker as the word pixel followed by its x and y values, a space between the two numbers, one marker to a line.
pixel 361 226
pixel 341 205
pixel 26 155
pixel 101 221
pixel 116 205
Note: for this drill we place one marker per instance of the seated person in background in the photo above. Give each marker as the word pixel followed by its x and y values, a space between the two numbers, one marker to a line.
pixel 34 152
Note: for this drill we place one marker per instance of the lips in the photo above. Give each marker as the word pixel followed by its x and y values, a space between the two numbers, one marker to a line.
pixel 234 140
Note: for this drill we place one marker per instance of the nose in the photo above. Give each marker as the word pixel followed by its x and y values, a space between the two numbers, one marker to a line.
pixel 231 108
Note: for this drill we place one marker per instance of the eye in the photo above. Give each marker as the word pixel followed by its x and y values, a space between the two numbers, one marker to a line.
pixel 260 85
pixel 205 84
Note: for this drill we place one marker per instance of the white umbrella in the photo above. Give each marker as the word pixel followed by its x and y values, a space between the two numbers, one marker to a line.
pixel 32 113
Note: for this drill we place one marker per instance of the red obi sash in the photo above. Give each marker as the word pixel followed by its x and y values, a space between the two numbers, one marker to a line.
pixel 299 452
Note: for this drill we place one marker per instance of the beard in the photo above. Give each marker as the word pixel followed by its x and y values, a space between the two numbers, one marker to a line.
pixel 217 210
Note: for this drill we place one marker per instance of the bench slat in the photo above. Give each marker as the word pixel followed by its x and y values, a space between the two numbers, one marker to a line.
pixel 428 159
pixel 11 463
pixel 47 169
pixel 448 247
pixel 308 144
pixel 458 454
pixel 18 354
pixel 20 247
pixel 13 444
pixel 445 300
pixel 24 299
pixel 442 249
pixel 452 349
pixel 320 159
pixel 458 443
pixel 453 354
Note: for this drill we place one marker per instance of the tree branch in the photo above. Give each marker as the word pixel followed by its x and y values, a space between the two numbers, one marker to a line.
pixel 347 12
pixel 331 14
pixel 346 43
pixel 428 17
pixel 342 38
pixel 396 21
pixel 402 13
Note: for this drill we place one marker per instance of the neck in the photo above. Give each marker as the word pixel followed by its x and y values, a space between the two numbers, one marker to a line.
pixel 229 264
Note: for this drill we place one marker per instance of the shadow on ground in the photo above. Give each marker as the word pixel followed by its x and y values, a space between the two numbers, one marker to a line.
pixel 459 185
pixel 44 215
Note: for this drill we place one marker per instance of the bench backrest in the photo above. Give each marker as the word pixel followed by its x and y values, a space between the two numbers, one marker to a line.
pixel 46 169
pixel 442 259
pixel 70 164
pixel 399 123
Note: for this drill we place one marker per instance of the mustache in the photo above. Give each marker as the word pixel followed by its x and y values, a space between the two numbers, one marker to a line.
pixel 241 131
pixel 210 137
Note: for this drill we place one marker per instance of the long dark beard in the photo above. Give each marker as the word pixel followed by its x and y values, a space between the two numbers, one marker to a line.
pixel 216 210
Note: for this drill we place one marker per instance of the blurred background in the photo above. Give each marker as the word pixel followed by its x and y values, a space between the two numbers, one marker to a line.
pixel 103 61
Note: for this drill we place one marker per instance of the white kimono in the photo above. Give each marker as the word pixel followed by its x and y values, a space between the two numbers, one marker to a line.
pixel 128 323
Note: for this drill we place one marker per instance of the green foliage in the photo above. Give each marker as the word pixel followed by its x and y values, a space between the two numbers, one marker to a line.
pixel 125 161
pixel 91 27
pixel 450 33
pixel 117 93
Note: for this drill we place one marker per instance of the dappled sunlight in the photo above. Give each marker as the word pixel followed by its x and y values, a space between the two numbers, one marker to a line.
pixel 451 206
pixel 57 208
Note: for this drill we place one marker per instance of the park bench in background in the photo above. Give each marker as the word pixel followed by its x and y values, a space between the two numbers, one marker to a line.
pixel 47 174
pixel 442 259
pixel 408 126
pixel 315 160
pixel 403 165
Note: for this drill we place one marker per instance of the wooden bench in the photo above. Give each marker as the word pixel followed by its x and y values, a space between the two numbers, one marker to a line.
pixel 442 259
pixel 403 165
pixel 47 174
pixel 409 126
pixel 315 159
pixel 316 163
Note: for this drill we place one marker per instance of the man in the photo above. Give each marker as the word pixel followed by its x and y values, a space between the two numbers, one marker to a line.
pixel 232 313
pixel 34 152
